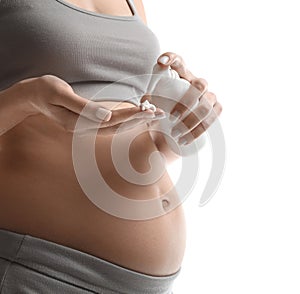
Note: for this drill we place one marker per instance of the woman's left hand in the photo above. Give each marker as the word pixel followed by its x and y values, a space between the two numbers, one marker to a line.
pixel 195 112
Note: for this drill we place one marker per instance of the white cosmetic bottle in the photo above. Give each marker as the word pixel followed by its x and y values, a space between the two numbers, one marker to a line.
pixel 166 89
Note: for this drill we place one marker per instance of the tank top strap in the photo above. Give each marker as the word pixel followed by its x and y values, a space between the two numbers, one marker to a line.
pixel 132 7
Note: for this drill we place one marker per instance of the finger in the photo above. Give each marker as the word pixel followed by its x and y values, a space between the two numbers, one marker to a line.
pixel 80 105
pixel 213 115
pixel 194 118
pixel 188 101
pixel 209 97
pixel 191 136
pixel 176 62
pixel 68 119
pixel 202 127
pixel 200 84
pixel 126 114
pixel 118 128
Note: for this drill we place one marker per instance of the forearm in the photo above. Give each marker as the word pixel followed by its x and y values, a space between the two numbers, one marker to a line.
pixel 14 107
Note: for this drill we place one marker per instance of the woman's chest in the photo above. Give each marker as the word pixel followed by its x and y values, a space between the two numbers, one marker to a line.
pixel 40 37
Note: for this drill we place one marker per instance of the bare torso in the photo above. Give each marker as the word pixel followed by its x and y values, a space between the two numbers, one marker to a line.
pixel 41 196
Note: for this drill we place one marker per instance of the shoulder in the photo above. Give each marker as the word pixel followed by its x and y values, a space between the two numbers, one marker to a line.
pixel 140 9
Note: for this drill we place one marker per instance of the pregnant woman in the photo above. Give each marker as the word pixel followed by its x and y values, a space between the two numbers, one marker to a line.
pixel 55 55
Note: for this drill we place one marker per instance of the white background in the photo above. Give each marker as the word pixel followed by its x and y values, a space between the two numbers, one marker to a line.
pixel 246 239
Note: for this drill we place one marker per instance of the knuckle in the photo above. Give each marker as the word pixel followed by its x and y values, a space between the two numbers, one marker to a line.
pixel 220 107
pixel 175 56
pixel 188 122
pixel 204 110
pixel 209 98
pixel 209 121
pixel 178 61
pixel 204 82
pixel 205 107
pixel 211 95
pixel 47 77
pixel 49 80
pixel 206 125
pixel 200 84
pixel 179 64
pixel 198 131
pixel 54 83
pixel 44 80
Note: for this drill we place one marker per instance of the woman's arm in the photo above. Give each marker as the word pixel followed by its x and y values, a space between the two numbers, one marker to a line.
pixel 54 98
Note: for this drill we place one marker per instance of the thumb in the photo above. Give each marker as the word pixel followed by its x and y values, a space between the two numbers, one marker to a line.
pixel 176 62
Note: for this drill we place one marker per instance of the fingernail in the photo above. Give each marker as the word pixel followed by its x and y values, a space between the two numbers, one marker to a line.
pixel 103 113
pixel 182 141
pixel 164 59
pixel 174 116
pixel 176 133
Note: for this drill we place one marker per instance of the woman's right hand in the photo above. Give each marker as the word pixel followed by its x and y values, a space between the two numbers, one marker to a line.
pixel 55 98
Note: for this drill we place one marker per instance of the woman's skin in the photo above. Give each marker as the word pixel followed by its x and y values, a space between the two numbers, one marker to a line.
pixel 40 194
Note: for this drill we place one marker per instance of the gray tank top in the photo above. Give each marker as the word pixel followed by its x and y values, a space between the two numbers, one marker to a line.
pixel 103 57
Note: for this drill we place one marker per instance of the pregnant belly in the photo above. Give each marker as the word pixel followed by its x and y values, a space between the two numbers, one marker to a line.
pixel 41 196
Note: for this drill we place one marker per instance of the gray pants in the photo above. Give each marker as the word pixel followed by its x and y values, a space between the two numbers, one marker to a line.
pixel 30 265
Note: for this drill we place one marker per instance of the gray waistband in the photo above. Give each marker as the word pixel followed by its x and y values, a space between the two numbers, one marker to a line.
pixel 78 268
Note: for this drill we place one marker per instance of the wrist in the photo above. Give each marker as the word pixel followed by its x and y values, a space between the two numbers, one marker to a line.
pixel 14 107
